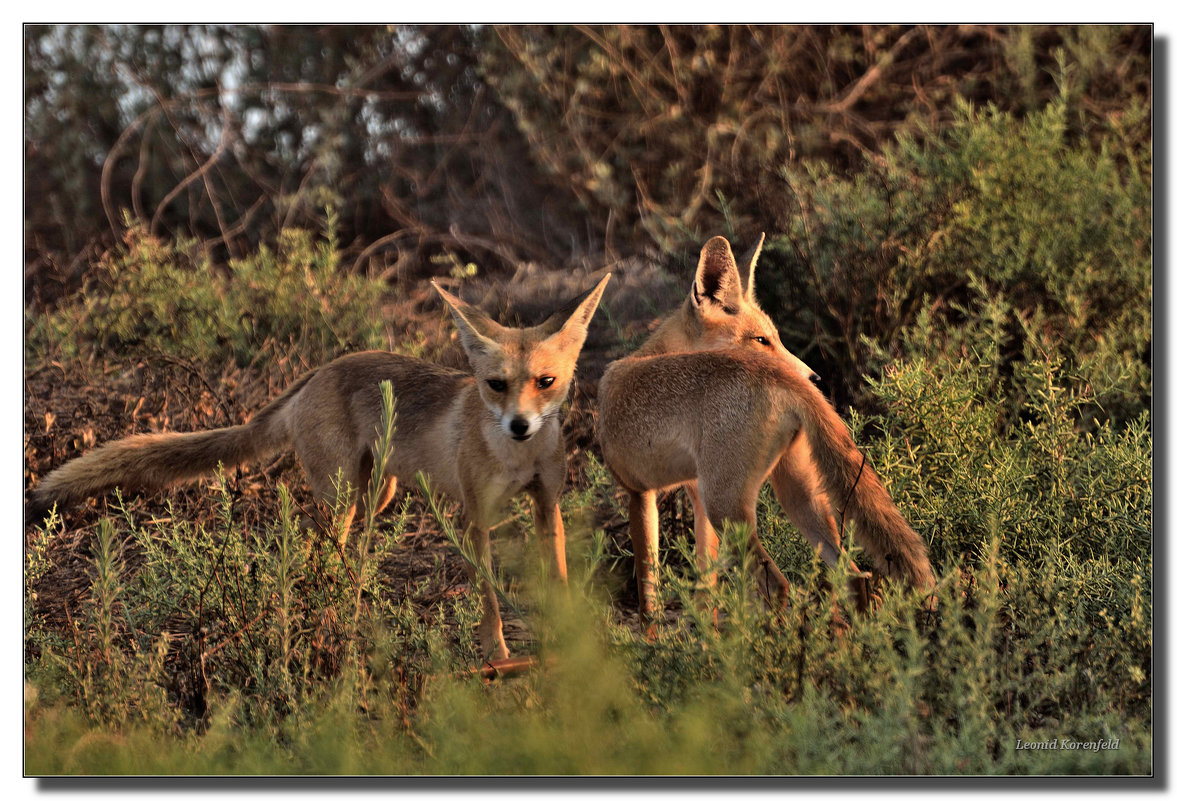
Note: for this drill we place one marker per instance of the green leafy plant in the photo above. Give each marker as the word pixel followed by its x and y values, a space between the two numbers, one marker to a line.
pixel 154 297
pixel 994 204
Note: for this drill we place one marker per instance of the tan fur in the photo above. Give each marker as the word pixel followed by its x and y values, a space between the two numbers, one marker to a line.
pixel 713 402
pixel 477 444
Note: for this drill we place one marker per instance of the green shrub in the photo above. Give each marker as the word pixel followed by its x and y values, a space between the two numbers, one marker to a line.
pixel 1008 655
pixel 152 296
pixel 266 616
pixel 968 447
pixel 1023 208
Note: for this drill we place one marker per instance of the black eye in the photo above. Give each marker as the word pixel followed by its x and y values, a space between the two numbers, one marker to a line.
pixel 497 384
pixel 761 341
pixel 543 382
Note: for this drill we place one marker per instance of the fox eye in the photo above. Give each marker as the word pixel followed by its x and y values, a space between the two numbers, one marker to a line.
pixel 545 381
pixel 761 341
pixel 497 384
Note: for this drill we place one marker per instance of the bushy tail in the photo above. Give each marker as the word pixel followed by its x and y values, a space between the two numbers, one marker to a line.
pixel 855 490
pixel 155 461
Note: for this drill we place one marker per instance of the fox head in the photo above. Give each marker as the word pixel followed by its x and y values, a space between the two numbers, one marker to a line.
pixel 721 310
pixel 524 374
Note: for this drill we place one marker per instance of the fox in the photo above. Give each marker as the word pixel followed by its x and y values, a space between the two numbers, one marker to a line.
pixel 481 437
pixel 714 403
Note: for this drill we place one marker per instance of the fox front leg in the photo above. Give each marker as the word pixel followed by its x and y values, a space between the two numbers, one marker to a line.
pixel 706 539
pixel 643 535
pixel 706 547
pixel 476 545
pixel 549 525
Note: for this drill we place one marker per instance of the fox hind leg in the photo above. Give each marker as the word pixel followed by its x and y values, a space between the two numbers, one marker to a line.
pixel 798 490
pixel 336 494
pixel 729 503
pixel 706 545
pixel 383 494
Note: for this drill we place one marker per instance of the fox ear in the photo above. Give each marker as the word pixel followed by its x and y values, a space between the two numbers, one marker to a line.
pixel 749 269
pixel 478 333
pixel 572 321
pixel 717 279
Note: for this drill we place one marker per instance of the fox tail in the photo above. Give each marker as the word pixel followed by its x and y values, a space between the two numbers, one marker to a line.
pixel 855 489
pixel 156 461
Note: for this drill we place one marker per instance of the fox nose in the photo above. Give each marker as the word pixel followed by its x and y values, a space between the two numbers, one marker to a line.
pixel 519 426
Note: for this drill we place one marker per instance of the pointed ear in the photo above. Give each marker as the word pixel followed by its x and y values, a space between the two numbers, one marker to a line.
pixel 572 321
pixel 477 332
pixel 717 280
pixel 748 271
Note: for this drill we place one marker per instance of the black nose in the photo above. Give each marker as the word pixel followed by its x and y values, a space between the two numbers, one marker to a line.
pixel 519 426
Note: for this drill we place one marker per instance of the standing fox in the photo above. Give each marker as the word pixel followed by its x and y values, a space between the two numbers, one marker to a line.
pixel 714 403
pixel 481 438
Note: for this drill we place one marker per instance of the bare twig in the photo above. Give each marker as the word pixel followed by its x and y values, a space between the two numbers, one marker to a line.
pixel 196 174
pixel 856 90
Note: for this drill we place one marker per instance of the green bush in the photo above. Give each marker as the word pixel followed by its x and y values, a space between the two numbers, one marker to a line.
pixel 969 447
pixel 152 296
pixel 263 617
pixel 1024 208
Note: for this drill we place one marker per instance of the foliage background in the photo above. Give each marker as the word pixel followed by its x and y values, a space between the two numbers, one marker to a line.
pixel 959 241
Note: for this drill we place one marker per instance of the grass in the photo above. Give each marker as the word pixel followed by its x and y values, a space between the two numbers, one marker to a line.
pixel 760 694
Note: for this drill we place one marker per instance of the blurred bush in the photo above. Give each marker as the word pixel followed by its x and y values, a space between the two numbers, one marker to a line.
pixel 228 134
pixel 1014 652
pixel 497 144
pixel 674 133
